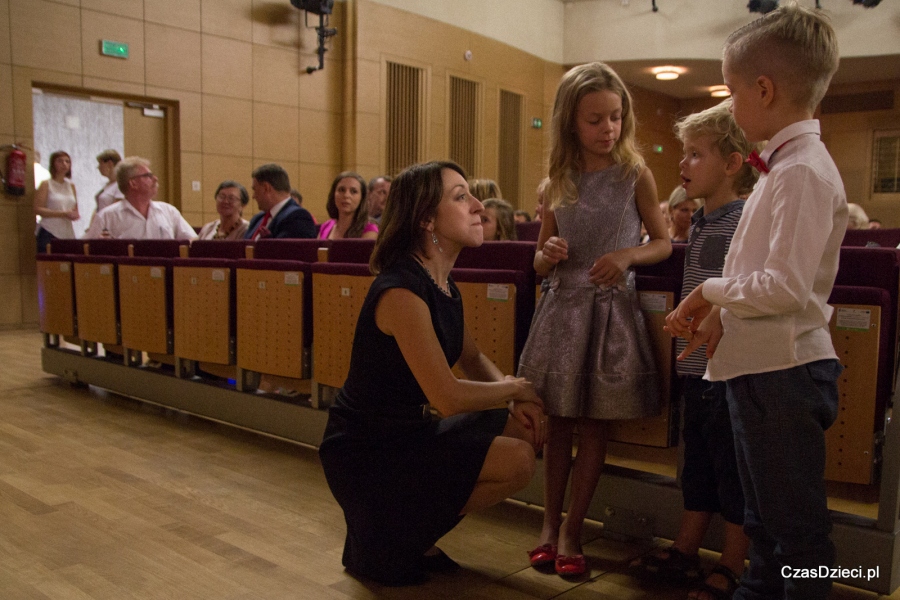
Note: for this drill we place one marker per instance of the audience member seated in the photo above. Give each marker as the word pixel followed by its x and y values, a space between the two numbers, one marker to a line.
pixel 858 218
pixel 484 189
pixel 497 220
pixel 110 193
pixel 379 188
pixel 680 212
pixel 139 216
pixel 280 216
pixel 231 198
pixel 55 203
pixel 347 208
pixel 522 216
pixel 298 198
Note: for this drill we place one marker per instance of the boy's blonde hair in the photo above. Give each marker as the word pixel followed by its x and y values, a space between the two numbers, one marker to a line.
pixel 793 45
pixel 718 123
pixel 564 150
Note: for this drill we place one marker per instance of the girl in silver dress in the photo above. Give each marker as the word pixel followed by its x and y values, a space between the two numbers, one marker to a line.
pixel 588 353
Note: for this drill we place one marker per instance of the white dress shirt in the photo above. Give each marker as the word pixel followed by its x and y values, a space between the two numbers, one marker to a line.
pixel 108 195
pixel 123 221
pixel 783 261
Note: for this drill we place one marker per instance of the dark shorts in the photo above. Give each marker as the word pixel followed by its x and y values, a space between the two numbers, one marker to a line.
pixel 710 481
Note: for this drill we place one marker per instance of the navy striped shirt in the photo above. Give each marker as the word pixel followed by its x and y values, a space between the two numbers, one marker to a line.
pixel 708 243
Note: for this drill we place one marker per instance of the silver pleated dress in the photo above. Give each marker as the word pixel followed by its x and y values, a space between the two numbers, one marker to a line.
pixel 588 353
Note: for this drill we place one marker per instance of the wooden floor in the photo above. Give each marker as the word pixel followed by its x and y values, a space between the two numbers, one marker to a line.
pixel 105 497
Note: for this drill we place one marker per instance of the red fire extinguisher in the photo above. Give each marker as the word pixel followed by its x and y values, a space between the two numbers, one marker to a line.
pixel 15 172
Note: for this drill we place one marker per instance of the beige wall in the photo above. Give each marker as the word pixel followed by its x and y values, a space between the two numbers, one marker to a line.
pixel 440 49
pixel 538 26
pixel 850 138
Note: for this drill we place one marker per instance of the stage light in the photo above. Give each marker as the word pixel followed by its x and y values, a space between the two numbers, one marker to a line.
pixel 668 72
pixel 719 91
pixel 762 6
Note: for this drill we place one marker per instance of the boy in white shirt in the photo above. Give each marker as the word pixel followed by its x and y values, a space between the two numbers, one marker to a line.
pixel 767 328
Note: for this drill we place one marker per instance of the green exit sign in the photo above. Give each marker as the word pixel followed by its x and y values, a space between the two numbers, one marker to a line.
pixel 117 49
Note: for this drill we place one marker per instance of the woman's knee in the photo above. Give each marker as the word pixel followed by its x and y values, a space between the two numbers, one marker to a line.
pixel 522 464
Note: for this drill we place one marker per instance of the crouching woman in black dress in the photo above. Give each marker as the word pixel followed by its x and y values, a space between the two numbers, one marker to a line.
pixel 402 478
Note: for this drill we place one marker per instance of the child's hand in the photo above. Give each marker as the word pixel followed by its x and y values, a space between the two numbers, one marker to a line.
pixel 709 332
pixel 688 315
pixel 555 250
pixel 609 268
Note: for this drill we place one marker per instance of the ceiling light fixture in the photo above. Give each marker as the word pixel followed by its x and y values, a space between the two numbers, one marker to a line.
pixel 668 72
pixel 719 91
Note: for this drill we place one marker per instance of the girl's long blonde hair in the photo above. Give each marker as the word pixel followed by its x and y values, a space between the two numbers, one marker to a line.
pixel 565 155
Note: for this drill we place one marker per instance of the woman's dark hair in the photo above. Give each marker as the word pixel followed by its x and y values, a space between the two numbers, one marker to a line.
pixel 52 167
pixel 413 201
pixel 230 183
pixel 361 216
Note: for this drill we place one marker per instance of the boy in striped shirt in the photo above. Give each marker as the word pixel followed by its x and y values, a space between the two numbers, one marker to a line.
pixel 713 169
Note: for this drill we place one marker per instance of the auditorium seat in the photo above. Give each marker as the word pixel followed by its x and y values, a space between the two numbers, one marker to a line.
pixel 56 291
pixel 274 310
pixel 146 300
pixel 529 231
pixel 338 293
pixel 859 331
pixel 884 238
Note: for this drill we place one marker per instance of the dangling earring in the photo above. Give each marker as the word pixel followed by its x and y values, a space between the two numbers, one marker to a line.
pixel 434 241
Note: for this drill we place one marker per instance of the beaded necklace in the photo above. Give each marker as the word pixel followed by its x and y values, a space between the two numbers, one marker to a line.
pixel 445 289
pixel 221 236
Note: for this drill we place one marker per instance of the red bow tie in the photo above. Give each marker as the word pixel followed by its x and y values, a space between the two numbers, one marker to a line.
pixel 756 162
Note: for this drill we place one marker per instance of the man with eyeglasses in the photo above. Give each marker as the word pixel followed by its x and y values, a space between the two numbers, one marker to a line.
pixel 139 216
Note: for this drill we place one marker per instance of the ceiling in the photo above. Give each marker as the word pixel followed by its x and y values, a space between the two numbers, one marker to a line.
pixel 701 74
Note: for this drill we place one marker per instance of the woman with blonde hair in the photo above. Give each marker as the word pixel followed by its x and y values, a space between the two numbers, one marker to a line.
pixel 484 189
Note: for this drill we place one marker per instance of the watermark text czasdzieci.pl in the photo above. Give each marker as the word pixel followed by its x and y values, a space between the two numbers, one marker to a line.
pixel 824 572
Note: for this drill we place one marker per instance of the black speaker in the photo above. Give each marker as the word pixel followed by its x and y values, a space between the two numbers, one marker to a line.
pixel 316 7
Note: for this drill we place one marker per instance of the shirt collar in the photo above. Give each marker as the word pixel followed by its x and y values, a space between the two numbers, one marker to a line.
pixel 126 205
pixel 719 212
pixel 793 130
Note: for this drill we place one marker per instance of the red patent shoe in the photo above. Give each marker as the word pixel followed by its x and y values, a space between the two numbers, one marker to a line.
pixel 542 555
pixel 569 566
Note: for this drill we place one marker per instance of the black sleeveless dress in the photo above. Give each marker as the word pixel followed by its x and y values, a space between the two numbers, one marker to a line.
pixel 400 477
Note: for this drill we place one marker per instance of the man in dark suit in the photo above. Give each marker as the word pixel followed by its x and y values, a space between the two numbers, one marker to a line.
pixel 280 216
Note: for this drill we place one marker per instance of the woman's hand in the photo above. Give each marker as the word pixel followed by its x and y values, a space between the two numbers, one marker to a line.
pixel 73 214
pixel 554 250
pixel 608 269
pixel 528 410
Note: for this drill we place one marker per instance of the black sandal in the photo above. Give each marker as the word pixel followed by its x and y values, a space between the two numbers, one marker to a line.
pixel 732 579
pixel 676 568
